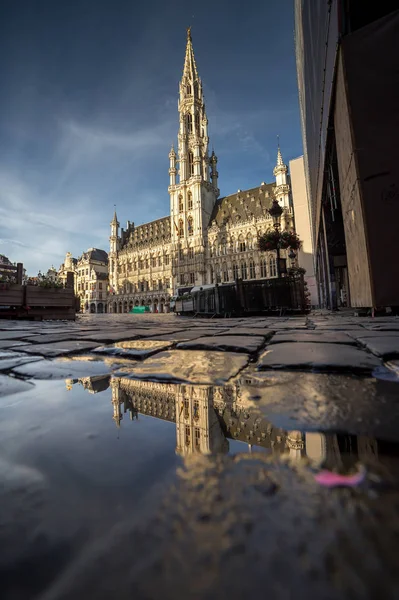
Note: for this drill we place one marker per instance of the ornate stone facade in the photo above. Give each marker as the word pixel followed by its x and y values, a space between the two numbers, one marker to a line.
pixel 206 239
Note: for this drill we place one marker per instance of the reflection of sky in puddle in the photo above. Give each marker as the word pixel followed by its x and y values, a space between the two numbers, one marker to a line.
pixel 90 453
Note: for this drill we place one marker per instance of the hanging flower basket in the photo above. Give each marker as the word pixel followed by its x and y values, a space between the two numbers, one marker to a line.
pixel 290 239
pixel 269 241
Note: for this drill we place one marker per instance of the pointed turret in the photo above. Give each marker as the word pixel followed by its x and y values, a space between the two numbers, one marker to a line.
pixel 280 172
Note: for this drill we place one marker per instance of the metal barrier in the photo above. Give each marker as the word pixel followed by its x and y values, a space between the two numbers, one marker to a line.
pixel 251 297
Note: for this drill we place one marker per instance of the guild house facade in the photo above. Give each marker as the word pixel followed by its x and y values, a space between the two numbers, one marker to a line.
pixel 205 239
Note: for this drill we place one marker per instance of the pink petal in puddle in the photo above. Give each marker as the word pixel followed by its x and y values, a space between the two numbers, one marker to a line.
pixel 330 479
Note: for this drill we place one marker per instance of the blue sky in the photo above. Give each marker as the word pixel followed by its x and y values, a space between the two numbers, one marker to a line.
pixel 88 110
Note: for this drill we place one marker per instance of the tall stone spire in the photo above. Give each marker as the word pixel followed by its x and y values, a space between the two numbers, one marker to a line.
pixel 193 130
pixel 190 68
pixel 282 187
pixel 192 193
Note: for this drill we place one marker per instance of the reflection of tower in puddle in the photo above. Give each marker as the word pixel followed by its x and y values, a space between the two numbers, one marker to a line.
pixel 198 427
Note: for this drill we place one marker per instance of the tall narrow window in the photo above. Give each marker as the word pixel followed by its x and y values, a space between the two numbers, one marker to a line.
pixel 187 435
pixel 211 275
pixel 181 228
pixel 190 226
pixel 263 268
pixel 192 278
pixel 181 205
pixel 188 89
pixel 189 201
pixel 191 163
pixel 189 122
pixel 244 271
pixel 197 123
pixel 197 438
pixel 252 270
pixel 235 271
pixel 225 273
pixel 273 267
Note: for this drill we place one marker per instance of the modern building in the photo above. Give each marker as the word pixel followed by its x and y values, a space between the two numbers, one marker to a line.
pixel 205 239
pixel 91 280
pixel 348 79
pixel 300 202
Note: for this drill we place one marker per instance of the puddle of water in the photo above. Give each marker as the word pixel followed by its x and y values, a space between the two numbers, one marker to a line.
pixel 79 456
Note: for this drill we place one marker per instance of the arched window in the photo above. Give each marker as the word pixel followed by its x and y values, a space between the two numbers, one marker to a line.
pixel 244 270
pixel 251 269
pixel 188 89
pixel 181 205
pixel 263 268
pixel 189 201
pixel 181 228
pixel 249 241
pixel 190 226
pixel 273 266
pixel 225 272
pixel 190 163
pixel 235 271
pixel 241 244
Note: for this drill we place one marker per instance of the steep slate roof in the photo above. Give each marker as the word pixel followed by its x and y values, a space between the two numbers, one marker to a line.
pixel 149 234
pixel 243 205
pixel 96 254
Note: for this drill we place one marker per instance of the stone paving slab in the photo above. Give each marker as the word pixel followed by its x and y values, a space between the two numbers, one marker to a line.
pixel 60 348
pixel 265 332
pixel 384 327
pixel 385 346
pixel 65 368
pixel 112 336
pixel 230 343
pixel 51 338
pixel 10 359
pixel 5 344
pixel 311 355
pixel 319 401
pixel 334 337
pixel 11 385
pixel 181 336
pixel 192 366
pixel 372 334
pixel 14 335
pixel 339 327
pixel 138 349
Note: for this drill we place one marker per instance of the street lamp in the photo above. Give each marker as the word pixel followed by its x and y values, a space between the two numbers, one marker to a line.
pixel 275 211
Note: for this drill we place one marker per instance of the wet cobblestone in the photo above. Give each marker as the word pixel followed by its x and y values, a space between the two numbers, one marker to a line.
pixel 186 468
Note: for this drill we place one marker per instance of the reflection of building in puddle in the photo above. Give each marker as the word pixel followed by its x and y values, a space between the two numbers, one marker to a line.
pixel 207 416
pixel 93 384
